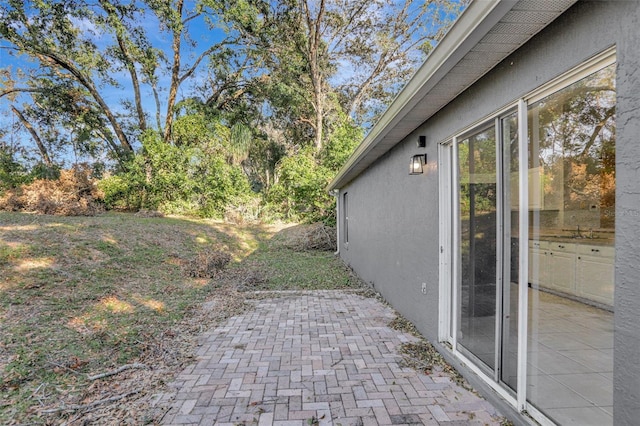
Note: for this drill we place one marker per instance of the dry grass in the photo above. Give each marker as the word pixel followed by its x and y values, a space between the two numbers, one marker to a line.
pixel 80 296
pixel 84 295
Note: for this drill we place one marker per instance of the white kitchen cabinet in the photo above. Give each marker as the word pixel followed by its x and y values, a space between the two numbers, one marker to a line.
pixel 595 273
pixel 562 267
pixel 576 269
pixel 538 267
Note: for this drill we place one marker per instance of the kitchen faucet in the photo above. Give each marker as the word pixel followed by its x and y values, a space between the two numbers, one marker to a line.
pixel 578 234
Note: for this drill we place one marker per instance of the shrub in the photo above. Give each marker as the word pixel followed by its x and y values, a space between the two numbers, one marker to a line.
pixel 300 192
pixel 119 193
pixel 178 179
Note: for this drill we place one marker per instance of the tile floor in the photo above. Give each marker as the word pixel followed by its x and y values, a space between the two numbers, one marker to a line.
pixel 570 370
pixel 570 362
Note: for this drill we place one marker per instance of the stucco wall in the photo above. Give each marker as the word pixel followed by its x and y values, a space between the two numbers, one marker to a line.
pixel 626 362
pixel 393 217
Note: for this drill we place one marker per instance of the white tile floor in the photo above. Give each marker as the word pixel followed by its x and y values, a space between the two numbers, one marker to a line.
pixel 570 360
pixel 570 357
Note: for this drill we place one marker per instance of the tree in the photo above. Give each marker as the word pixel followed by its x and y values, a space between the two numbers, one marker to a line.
pixel 87 49
pixel 62 51
pixel 323 56
pixel 277 78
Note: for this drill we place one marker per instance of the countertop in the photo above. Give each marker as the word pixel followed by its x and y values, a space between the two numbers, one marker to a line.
pixel 597 240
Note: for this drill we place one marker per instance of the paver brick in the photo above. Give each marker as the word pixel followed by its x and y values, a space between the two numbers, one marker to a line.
pixel 323 355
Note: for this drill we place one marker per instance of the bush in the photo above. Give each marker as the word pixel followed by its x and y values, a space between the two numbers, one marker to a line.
pixel 178 179
pixel 300 192
pixel 119 193
pixel 74 193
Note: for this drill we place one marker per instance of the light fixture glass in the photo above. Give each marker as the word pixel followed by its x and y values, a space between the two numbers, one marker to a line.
pixel 416 166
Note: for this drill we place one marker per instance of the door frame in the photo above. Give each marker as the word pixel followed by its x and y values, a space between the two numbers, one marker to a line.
pixel 445 243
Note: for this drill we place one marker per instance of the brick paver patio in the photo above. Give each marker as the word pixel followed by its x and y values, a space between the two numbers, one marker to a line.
pixel 317 357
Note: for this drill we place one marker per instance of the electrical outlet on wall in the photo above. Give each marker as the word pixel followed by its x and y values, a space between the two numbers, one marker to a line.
pixel 424 288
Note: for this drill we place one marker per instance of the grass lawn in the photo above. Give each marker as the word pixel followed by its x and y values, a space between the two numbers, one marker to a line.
pixel 85 295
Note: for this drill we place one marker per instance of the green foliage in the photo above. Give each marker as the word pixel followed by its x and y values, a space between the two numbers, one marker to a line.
pixel 44 171
pixel 188 178
pixel 341 144
pixel 12 173
pixel 264 156
pixel 119 193
pixel 300 192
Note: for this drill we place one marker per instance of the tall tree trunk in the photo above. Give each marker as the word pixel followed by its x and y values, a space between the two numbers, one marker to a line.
pixel 128 60
pixel 175 72
pixel 43 149
pixel 318 95
pixel 156 97
pixel 314 26
pixel 142 121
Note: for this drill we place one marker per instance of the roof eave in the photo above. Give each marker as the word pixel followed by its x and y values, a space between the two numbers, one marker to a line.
pixel 476 21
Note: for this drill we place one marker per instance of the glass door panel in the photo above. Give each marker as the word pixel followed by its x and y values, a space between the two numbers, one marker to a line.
pixel 478 245
pixel 571 251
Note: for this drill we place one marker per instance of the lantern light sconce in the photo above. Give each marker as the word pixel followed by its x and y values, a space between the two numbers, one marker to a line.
pixel 422 141
pixel 416 167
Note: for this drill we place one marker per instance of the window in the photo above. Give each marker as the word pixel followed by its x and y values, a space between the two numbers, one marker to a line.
pixel 345 218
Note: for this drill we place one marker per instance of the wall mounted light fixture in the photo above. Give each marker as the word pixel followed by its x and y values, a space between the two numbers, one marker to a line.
pixel 416 167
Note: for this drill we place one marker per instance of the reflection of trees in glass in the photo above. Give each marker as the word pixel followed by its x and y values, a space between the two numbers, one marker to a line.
pixel 575 129
pixel 478 172
pixel 478 201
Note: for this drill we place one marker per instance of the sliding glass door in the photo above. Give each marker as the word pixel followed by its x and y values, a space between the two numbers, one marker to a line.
pixel 572 185
pixel 528 280
pixel 487 303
